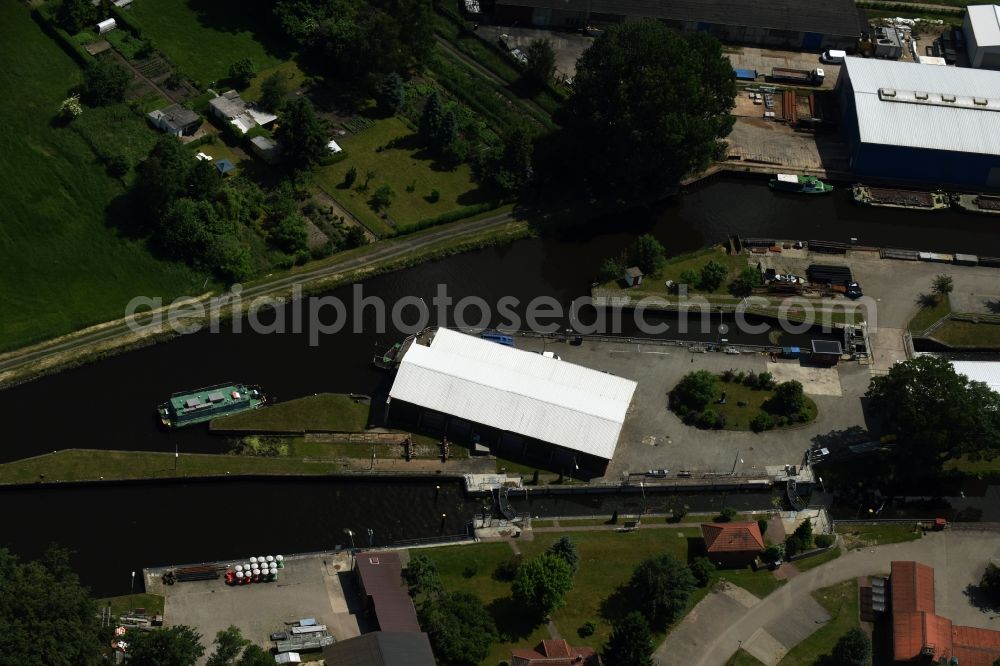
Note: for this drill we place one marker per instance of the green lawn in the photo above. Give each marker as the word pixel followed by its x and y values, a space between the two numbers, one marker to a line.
pixel 860 536
pixel 607 560
pixel 927 315
pixel 152 604
pixel 841 602
pixel 968 334
pixel 292 75
pixel 64 267
pixel 205 37
pixel 91 465
pixel 818 560
pixel 744 658
pixel 399 167
pixel 328 412
pixel 738 418
pixel 973 467
pixel 654 285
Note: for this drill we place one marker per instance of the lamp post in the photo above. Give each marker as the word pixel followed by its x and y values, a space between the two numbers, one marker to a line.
pixel 131 589
pixel 176 454
pixel 371 538
pixel 350 533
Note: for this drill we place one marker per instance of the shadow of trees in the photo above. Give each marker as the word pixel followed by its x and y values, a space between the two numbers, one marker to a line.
pixel 513 622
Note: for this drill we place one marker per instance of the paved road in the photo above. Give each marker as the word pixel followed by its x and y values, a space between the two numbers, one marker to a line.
pixel 383 252
pixel 709 639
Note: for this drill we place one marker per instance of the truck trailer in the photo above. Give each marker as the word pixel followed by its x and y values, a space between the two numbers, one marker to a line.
pixel 800 76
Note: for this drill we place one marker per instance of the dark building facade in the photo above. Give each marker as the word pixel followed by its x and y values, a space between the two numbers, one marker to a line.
pixel 791 24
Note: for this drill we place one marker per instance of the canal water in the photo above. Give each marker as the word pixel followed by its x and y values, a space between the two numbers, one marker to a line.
pixel 110 404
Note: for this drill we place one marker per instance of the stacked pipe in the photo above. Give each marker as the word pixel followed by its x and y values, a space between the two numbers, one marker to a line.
pixel 202 572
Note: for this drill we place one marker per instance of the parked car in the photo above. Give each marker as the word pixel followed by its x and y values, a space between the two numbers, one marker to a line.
pixel 658 473
pixel 505 41
pixel 548 354
pixel 833 57
pixel 519 56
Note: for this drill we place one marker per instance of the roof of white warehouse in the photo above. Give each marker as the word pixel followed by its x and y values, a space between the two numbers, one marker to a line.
pixel 987 372
pixel 516 391
pixel 985 23
pixel 926 106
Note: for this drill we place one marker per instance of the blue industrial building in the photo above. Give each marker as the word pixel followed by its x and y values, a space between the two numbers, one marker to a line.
pixel 926 123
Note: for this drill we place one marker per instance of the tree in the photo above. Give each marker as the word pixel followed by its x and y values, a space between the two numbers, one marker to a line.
pixel 447 133
pixel 630 643
pixel 104 82
pixel 228 258
pixel 163 175
pixel 936 414
pixel 648 254
pixel 74 15
pixel 430 118
pixel 173 646
pixel 460 629
pixel 391 93
pixel 301 134
pixel 565 549
pixel 652 106
pixel 745 282
pixel 70 108
pixel 242 72
pixel 788 399
pixel 541 584
pixel 288 232
pixel 421 576
pixel 541 61
pixel 46 615
pixel 350 177
pixel 702 570
pixel 943 286
pixel 611 268
pixel 726 515
pixel 853 649
pixel 696 390
pixel 990 583
pixel 804 533
pixel 662 585
pixel 272 92
pixel 713 274
pixel 355 237
pixel 382 197
pixel 234 650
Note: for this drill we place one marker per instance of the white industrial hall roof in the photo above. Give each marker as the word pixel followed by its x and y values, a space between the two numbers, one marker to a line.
pixel 987 372
pixel 926 106
pixel 985 22
pixel 516 391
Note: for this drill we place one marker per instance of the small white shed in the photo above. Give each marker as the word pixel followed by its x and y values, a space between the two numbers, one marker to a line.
pixel 288 658
pixel 633 276
pixel 107 25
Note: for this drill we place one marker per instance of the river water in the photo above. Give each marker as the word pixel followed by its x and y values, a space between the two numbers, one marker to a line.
pixel 110 404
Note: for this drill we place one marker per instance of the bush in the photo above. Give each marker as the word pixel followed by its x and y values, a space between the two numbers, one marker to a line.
pixel 773 553
pixel 506 570
pixel 587 629
pixel 765 381
pixel 690 417
pixel 825 540
pixel 678 512
pixel 761 422
pixel 701 569
pixel 434 196
pixel 728 375
pixel 696 390
pixel 726 515
pixel 762 525
pixel 708 419
pixel 712 275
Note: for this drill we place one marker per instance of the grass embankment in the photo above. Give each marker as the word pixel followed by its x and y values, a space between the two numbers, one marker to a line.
pixel 607 560
pixel 738 418
pixel 205 38
pixel 744 658
pixel 324 412
pixel 64 267
pixel 841 602
pixel 399 159
pixel 929 314
pixel 93 465
pixel 956 333
pixel 818 560
pixel 861 536
pixel 151 604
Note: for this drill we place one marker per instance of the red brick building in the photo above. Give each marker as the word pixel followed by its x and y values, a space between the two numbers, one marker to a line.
pixel 554 653
pixel 921 636
pixel 732 544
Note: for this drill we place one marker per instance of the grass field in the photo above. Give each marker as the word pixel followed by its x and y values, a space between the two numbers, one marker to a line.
pixel 607 560
pixel 973 467
pixel 63 267
pixel 653 285
pixel 205 37
pixel 91 465
pixel 927 315
pixel 152 604
pixel 969 334
pixel 841 602
pixel 399 167
pixel 860 536
pixel 738 418
pixel 744 658
pixel 323 412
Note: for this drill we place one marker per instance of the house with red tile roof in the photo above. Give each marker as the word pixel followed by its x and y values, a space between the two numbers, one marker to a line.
pixel 554 653
pixel 732 544
pixel 920 635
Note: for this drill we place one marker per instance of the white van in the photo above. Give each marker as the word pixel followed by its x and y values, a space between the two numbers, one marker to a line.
pixel 833 57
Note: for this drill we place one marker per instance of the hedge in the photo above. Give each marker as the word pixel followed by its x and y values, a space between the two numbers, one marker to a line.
pixel 450 216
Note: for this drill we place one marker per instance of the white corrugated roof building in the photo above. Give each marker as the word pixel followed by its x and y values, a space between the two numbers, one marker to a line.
pixel 516 391
pixel 987 372
pixel 924 106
